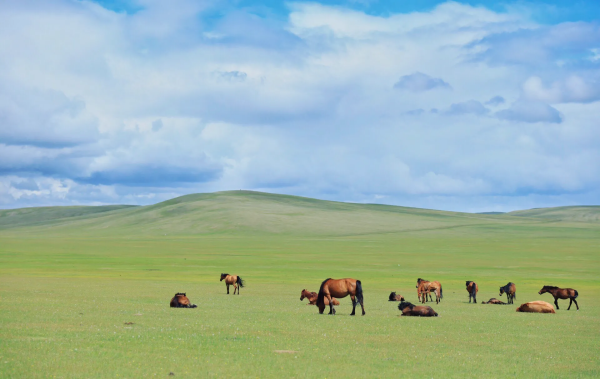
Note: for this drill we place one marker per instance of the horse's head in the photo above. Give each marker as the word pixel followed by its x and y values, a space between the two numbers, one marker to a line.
pixel 393 296
pixel 223 276
pixel 405 304
pixel 303 294
pixel 468 282
pixel 546 289
pixel 501 291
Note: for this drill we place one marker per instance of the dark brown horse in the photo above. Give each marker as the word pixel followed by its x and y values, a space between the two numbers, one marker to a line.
pixel 561 293
pixel 312 298
pixel 340 288
pixel 493 300
pixel 511 292
pixel 472 289
pixel 394 297
pixel 232 280
pixel 425 287
pixel 180 300
pixel 409 309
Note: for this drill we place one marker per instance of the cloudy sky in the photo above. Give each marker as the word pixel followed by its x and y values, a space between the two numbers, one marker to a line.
pixel 470 106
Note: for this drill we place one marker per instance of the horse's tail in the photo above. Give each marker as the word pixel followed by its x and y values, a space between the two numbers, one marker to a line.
pixel 240 282
pixel 576 294
pixel 359 292
pixel 473 290
pixel 441 292
pixel 193 306
pixel 321 295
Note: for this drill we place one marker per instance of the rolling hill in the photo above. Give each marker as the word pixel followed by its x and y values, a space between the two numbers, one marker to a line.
pixel 248 212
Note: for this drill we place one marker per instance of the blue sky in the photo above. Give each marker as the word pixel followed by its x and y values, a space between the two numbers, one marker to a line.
pixel 469 106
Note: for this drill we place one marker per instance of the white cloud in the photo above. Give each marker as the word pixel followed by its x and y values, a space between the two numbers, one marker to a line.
pixel 98 106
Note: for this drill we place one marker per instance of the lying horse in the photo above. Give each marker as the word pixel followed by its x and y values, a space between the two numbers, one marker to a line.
pixel 472 289
pixel 340 288
pixel 312 298
pixel 232 280
pixel 536 307
pixel 394 297
pixel 181 301
pixel 511 292
pixel 493 300
pixel 424 287
pixel 409 309
pixel 561 293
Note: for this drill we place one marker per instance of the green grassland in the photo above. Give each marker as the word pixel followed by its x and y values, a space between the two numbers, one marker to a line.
pixel 71 278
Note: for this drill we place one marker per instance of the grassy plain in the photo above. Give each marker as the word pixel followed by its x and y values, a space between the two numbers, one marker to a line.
pixel 69 284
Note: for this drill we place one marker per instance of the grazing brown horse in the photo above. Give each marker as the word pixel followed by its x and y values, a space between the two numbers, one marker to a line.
pixel 409 309
pixel 394 297
pixel 312 298
pixel 472 289
pixel 425 287
pixel 233 280
pixel 536 307
pixel 561 293
pixel 493 300
pixel 511 292
pixel 180 300
pixel 340 288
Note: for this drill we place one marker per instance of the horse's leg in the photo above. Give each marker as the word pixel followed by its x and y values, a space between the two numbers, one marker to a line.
pixel 575 301
pixel 353 305
pixel 570 302
pixel 227 288
pixel 556 303
pixel 475 298
pixel 331 310
pixel 236 287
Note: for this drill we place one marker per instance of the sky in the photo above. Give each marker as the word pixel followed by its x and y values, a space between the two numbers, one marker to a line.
pixel 455 105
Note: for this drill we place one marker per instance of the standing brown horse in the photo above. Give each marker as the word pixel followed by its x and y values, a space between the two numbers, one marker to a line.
pixel 472 289
pixel 425 287
pixel 232 280
pixel 561 293
pixel 312 298
pixel 511 292
pixel 419 294
pixel 340 288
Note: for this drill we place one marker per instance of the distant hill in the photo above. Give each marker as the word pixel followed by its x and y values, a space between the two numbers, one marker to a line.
pixel 240 212
pixel 254 213
pixel 568 214
pixel 10 218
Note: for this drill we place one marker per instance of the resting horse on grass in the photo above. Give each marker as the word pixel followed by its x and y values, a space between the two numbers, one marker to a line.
pixel 424 287
pixel 536 307
pixel 340 288
pixel 180 300
pixel 233 280
pixel 561 293
pixel 511 292
pixel 394 297
pixel 409 309
pixel 472 289
pixel 312 298
pixel 493 300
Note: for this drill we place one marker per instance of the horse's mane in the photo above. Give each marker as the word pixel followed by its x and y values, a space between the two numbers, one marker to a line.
pixel 180 294
pixel 405 304
pixel 422 280
pixel 321 295
pixel 469 281
pixel 224 274
pixel 550 288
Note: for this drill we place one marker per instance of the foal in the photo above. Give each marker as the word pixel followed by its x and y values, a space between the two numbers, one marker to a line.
pixel 561 293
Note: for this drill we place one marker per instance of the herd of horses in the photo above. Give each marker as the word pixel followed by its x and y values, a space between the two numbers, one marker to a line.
pixel 333 289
